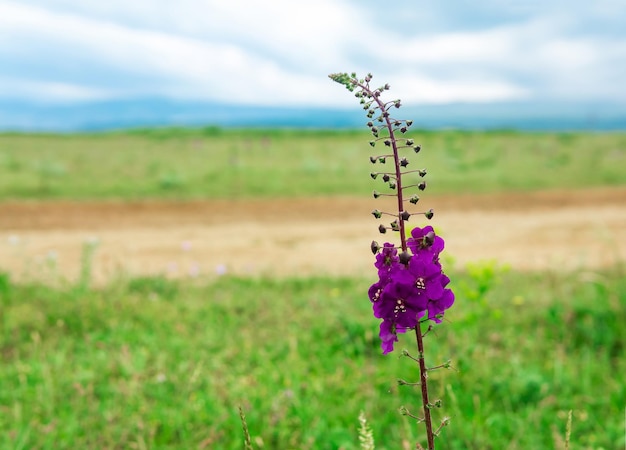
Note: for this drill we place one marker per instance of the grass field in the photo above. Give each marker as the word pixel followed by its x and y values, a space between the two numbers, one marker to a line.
pixel 214 163
pixel 151 363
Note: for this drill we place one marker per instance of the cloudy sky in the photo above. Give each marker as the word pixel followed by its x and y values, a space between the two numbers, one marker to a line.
pixel 279 52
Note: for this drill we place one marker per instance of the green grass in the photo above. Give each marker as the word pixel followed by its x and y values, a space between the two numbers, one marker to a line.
pixel 152 363
pixel 215 163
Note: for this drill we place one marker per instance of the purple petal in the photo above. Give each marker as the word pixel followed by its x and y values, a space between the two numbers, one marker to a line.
pixel 387 336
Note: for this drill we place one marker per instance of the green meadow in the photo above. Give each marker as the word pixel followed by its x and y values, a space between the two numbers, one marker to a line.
pixel 154 363
pixel 215 163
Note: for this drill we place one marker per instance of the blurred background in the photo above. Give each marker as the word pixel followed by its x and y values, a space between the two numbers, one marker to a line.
pixel 71 65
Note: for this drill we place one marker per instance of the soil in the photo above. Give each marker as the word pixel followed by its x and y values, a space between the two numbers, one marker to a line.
pixel 556 230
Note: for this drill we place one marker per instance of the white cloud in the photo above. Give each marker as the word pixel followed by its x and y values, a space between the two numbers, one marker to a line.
pixel 17 88
pixel 185 67
pixel 537 58
pixel 280 51
pixel 282 29
pixel 423 90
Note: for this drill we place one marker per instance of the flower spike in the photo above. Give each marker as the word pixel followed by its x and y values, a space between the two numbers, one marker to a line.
pixel 411 287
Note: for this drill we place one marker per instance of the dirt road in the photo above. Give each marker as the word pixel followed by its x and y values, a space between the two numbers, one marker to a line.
pixel 556 229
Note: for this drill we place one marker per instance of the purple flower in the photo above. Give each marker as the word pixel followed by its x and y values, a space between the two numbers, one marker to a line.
pixel 407 293
pixel 389 335
pixel 387 261
pixel 437 307
pixel 425 244
pixel 394 305
pixel 375 291
pixel 424 279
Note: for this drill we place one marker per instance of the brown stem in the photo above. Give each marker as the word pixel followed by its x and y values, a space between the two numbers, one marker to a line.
pixel 430 436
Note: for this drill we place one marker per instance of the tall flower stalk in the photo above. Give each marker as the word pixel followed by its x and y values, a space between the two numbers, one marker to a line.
pixel 411 289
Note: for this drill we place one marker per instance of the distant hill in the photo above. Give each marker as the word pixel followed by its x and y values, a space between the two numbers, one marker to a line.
pixel 153 112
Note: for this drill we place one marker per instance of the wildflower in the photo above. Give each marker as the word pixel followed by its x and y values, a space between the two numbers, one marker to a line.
pixel 407 293
pixel 387 263
pixel 389 335
pixel 425 244
pixel 424 279
pixel 437 307
pixel 411 286
pixel 387 260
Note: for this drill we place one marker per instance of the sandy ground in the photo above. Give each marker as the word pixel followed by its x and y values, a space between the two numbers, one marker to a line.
pixel 556 230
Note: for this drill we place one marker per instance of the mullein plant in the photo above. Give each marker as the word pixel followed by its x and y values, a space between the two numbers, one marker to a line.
pixel 411 291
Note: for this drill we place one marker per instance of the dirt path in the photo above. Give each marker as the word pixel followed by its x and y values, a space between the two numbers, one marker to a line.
pixel 556 229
